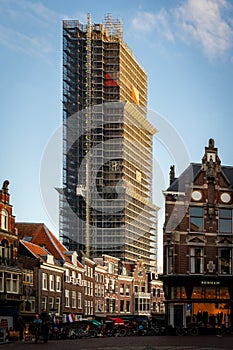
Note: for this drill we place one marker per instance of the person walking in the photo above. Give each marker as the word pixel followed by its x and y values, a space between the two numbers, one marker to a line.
pixel 45 325
pixel 37 322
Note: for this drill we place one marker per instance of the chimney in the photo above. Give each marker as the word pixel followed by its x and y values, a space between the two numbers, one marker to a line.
pixel 172 173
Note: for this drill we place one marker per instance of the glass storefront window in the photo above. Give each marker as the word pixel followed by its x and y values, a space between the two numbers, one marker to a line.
pixel 178 293
pixel 210 292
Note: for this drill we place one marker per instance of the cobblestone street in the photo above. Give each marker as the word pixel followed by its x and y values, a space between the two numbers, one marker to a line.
pixel 130 343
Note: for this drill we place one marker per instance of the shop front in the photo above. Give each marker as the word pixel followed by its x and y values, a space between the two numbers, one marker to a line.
pixel 199 300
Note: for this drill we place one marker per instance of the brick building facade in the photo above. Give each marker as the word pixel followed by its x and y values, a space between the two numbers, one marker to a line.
pixel 198 280
pixel 10 272
pixel 38 272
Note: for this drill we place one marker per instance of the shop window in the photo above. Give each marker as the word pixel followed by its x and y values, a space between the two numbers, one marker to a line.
pixel 196 260
pixel 178 292
pixel 225 261
pixel 196 219
pixel 225 220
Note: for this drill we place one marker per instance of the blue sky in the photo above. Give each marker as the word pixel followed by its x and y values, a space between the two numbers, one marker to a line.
pixel 185 46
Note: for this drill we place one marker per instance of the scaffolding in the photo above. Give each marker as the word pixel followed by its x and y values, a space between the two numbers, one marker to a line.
pixel 106 206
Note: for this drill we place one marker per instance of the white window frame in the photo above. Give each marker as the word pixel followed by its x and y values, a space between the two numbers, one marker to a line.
pixel 51 282
pixel 58 283
pixel 73 300
pixel 193 260
pixel 4 220
pixel 67 298
pixel 12 283
pixel 44 281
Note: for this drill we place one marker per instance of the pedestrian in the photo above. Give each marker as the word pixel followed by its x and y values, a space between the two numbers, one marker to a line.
pixel 37 322
pixel 20 326
pixel 45 325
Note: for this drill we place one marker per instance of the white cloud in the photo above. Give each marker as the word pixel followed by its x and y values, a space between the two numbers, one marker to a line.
pixel 207 23
pixel 148 22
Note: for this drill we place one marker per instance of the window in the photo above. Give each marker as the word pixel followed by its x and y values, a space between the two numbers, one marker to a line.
pixel 110 267
pixel 67 298
pixel 122 306
pixel 79 300
pixel 58 305
pixel 51 303
pixel 73 299
pixel 169 260
pixel 225 220
pixel 44 303
pixel 1 282
pixel 127 305
pixel 67 276
pixel 4 219
pixel 12 283
pixel 127 290
pixel 51 282
pixel 159 307
pixel 225 261
pixel 196 260
pixel 196 219
pixel 113 305
pixel 27 305
pixel 154 306
pixel 158 293
pixel 58 283
pixel 107 305
pixel 27 276
pixel 44 281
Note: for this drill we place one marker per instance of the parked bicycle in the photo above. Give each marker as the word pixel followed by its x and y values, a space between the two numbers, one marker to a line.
pixel 192 330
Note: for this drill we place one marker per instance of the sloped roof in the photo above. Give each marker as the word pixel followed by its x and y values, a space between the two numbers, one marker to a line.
pixel 191 172
pixel 36 250
pixel 43 237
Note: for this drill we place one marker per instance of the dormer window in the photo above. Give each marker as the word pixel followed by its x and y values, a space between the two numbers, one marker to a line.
pixel 4 219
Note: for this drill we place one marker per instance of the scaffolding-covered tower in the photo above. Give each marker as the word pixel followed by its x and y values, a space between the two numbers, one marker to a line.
pixel 106 201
